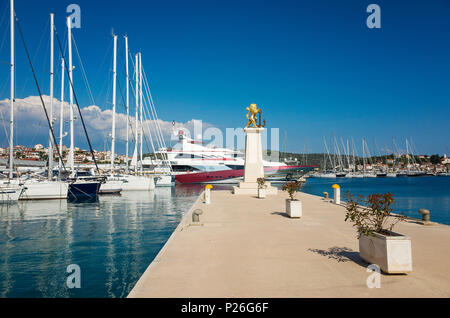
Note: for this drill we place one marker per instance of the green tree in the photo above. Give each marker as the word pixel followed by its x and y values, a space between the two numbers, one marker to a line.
pixel 435 159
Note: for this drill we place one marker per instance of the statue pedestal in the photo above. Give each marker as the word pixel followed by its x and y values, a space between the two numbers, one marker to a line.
pixel 254 168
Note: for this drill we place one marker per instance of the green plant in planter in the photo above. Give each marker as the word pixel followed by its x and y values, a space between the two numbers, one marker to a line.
pixel 372 214
pixel 292 188
pixel 261 183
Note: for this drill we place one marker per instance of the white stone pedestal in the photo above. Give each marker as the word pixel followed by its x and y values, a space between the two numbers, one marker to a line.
pixel 337 195
pixel 254 167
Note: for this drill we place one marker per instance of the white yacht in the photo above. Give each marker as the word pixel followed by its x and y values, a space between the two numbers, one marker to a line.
pixel 193 162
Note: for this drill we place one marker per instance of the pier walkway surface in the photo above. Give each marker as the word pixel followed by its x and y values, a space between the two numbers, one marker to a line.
pixel 248 247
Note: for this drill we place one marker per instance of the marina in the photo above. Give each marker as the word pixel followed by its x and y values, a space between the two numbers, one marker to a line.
pixel 154 162
pixel 116 238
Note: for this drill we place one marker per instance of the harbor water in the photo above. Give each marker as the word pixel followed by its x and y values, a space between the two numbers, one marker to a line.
pixel 112 241
pixel 115 239
pixel 410 194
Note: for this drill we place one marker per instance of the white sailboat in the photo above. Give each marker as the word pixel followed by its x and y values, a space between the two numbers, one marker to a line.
pixel 328 174
pixel 355 173
pixel 366 174
pixel 36 188
pixel 80 188
pixel 112 185
pixel 161 168
pixel 10 192
pixel 393 172
pixel 135 182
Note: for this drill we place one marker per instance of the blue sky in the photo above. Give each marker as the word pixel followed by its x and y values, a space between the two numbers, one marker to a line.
pixel 313 66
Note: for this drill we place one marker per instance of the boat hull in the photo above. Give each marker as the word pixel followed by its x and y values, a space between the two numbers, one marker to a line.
pixel 137 183
pixel 83 190
pixel 45 190
pixel 235 176
pixel 10 194
pixel 164 181
pixel 111 187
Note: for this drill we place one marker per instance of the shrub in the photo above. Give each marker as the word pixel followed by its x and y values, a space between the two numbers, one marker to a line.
pixel 261 183
pixel 371 215
pixel 292 188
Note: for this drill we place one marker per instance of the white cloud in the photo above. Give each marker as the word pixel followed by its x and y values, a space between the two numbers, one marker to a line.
pixel 32 128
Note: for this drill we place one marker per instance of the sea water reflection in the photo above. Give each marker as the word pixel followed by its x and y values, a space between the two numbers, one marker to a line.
pixel 113 241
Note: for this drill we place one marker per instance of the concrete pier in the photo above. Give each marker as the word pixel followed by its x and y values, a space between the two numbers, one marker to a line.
pixel 248 247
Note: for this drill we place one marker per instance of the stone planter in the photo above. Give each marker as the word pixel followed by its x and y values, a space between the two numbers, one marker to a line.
pixel 294 208
pixel 392 253
pixel 261 193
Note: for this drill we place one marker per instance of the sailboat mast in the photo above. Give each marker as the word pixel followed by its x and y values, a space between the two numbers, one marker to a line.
pixel 407 153
pixel 328 151
pixel 348 154
pixel 113 134
pixel 137 111
pixel 61 114
pixel 353 154
pixel 128 105
pixel 72 139
pixel 11 120
pixel 394 154
pixel 50 143
pixel 141 105
pixel 364 155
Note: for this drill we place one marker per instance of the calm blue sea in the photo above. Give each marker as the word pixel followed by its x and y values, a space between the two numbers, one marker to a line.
pixel 410 194
pixel 113 241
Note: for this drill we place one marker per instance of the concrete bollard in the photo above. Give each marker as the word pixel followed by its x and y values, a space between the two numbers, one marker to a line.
pixel 196 216
pixel 425 215
pixel 337 194
pixel 208 194
pixel 325 195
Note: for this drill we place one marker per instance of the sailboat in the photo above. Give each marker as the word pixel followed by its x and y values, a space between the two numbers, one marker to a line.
pixel 112 185
pixel 36 188
pixel 328 174
pixel 136 182
pixel 416 172
pixel 392 173
pixel 40 188
pixel 341 173
pixel 366 174
pixel 80 187
pixel 10 192
pixel 351 163
pixel 161 168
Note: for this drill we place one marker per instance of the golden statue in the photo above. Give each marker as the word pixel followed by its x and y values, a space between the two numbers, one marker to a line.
pixel 253 111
